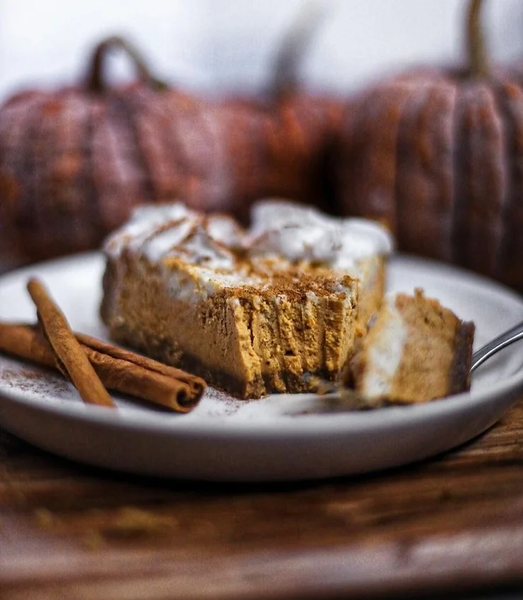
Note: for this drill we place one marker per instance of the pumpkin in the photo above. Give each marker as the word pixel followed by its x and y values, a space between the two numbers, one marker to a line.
pixel 75 161
pixel 437 155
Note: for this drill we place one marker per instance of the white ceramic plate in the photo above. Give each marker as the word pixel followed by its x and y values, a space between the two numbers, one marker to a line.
pixel 226 439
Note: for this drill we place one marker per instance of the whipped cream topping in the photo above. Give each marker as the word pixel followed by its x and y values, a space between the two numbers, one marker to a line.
pixel 200 248
pixel 145 221
pixel 225 230
pixel 216 245
pixel 169 230
pixel 298 233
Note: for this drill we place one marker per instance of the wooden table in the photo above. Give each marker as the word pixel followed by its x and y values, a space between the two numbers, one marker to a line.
pixel 451 524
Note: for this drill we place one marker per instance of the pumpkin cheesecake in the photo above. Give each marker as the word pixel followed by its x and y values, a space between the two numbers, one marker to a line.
pixel 253 311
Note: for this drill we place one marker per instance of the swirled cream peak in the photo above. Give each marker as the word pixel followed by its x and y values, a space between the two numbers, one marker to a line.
pixel 163 231
pixel 301 233
pixel 145 222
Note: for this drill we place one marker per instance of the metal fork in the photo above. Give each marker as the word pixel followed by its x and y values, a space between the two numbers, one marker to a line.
pixel 497 344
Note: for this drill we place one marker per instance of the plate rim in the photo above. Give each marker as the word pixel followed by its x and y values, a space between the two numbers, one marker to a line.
pixel 287 425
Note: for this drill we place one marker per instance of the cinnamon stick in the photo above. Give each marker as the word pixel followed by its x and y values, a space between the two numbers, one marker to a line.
pixel 179 394
pixel 196 384
pixel 69 354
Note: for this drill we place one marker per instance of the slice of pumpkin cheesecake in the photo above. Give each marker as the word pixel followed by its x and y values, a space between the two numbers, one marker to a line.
pixel 201 292
pixel 416 350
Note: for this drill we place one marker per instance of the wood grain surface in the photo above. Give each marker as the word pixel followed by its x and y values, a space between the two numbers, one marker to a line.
pixel 448 525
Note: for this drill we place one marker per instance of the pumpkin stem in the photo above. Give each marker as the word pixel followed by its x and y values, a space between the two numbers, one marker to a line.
pixel 294 47
pixel 478 60
pixel 95 81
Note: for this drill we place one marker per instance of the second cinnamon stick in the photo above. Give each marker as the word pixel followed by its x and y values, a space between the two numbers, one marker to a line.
pixel 196 384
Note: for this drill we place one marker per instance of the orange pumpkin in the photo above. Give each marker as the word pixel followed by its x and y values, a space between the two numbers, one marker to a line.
pixel 437 154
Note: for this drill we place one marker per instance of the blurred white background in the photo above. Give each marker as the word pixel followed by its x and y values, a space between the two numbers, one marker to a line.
pixel 222 45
